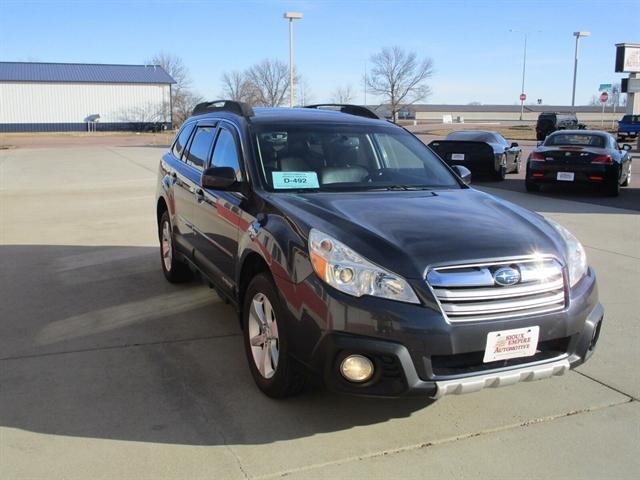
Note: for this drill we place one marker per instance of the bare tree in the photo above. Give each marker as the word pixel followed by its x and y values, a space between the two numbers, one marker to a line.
pixel 343 94
pixel 269 82
pixel 181 94
pixel 183 106
pixel 398 76
pixel 236 86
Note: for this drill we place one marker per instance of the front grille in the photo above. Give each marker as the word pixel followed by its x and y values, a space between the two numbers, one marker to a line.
pixel 470 292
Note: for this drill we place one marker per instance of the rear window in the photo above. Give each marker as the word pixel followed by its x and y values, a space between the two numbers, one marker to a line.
pixel 472 136
pixel 631 119
pixel 330 157
pixel 577 139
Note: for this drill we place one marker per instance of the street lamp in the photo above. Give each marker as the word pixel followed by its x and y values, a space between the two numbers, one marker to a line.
pixel 524 69
pixel 575 64
pixel 291 16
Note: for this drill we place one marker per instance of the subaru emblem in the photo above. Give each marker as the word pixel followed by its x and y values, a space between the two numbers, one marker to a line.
pixel 506 276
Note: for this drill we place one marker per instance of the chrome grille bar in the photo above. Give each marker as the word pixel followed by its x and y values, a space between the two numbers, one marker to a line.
pixel 470 293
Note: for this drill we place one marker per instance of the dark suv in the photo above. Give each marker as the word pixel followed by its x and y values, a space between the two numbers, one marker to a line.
pixel 354 254
pixel 549 122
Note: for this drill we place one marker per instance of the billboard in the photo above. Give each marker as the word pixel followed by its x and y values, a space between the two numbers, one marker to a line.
pixel 628 57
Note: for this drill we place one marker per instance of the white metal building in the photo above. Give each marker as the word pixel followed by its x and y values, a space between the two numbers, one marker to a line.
pixel 80 97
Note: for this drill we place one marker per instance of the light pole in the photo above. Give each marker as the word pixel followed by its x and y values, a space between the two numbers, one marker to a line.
pixel 291 16
pixel 524 70
pixel 575 64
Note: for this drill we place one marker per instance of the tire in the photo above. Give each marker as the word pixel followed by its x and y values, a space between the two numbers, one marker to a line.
pixel 613 189
pixel 531 187
pixel 174 270
pixel 500 174
pixel 265 341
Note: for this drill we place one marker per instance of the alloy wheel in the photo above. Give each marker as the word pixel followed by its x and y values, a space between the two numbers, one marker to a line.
pixel 263 335
pixel 167 251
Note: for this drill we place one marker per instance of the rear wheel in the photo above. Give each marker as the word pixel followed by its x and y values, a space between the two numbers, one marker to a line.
pixel 174 270
pixel 500 174
pixel 613 189
pixel 531 187
pixel 274 372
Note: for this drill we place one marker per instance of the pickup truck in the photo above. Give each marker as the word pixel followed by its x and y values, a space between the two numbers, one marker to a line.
pixel 628 127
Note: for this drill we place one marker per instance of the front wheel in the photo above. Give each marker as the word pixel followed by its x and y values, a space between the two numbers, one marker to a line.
pixel 174 270
pixel 274 372
pixel 627 179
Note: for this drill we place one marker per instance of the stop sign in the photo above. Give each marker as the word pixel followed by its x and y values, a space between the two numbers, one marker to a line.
pixel 604 96
pixel 523 97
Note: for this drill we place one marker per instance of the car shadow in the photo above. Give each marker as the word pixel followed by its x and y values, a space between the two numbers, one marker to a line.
pixel 628 199
pixel 95 343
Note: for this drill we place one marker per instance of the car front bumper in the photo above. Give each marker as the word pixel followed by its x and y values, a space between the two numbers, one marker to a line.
pixel 416 351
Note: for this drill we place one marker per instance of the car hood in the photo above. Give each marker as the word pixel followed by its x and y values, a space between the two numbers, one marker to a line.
pixel 409 231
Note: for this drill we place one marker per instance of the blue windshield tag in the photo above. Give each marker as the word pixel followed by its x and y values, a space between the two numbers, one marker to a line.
pixel 295 180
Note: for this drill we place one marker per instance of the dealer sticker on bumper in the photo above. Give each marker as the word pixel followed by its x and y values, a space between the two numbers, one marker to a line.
pixel 505 344
pixel 566 176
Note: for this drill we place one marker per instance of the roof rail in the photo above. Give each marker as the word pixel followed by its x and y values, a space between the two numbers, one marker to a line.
pixel 358 110
pixel 239 108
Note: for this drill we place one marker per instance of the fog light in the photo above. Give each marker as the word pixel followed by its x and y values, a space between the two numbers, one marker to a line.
pixel 356 368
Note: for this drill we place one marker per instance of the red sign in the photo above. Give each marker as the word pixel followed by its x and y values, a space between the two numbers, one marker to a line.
pixel 523 97
pixel 604 96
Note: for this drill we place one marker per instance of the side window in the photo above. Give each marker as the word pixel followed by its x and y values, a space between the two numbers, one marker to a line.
pixel 225 153
pixel 181 140
pixel 200 146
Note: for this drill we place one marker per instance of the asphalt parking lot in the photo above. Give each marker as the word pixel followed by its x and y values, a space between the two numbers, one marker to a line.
pixel 107 371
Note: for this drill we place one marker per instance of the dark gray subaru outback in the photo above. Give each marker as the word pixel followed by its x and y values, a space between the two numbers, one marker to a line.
pixel 354 254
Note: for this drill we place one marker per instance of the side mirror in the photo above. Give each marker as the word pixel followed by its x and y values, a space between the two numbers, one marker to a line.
pixel 626 146
pixel 514 145
pixel 463 173
pixel 219 178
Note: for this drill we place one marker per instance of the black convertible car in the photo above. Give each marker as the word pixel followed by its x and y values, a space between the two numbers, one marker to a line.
pixel 580 156
pixel 480 151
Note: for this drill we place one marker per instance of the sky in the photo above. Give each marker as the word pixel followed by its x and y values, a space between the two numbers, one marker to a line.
pixel 476 46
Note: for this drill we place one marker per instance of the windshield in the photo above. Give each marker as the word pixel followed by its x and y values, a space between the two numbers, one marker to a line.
pixel 577 139
pixel 330 157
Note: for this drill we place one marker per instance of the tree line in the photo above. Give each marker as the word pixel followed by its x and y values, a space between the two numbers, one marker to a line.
pixel 396 77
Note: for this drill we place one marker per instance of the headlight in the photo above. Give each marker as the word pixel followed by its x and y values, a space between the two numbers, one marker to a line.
pixel 345 270
pixel 576 256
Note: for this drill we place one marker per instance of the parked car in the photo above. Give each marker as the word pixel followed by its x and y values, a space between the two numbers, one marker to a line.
pixel 580 156
pixel 480 151
pixel 549 122
pixel 628 127
pixel 354 254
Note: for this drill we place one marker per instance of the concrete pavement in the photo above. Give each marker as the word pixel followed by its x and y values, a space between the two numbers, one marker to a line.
pixel 107 371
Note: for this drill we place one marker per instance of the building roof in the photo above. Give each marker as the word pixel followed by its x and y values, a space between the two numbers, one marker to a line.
pixel 82 72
